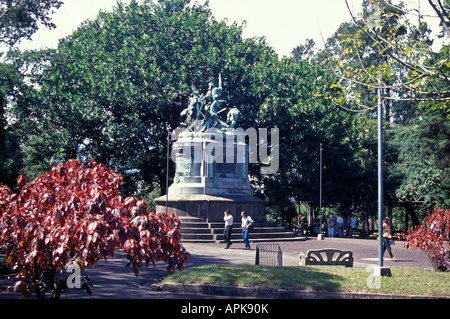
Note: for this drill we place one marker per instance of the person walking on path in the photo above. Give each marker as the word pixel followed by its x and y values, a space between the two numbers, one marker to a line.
pixel 247 222
pixel 387 235
pixel 228 218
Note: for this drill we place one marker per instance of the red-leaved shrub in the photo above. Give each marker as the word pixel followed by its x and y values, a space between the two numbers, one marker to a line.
pixel 434 238
pixel 75 213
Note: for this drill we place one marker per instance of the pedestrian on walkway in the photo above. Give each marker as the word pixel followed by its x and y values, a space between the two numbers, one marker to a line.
pixel 317 229
pixel 247 223
pixel 353 225
pixel 228 218
pixel 331 223
pixel 387 236
pixel 348 227
pixel 340 226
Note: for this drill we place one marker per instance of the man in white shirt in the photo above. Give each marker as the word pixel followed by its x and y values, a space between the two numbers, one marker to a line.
pixel 228 218
pixel 247 222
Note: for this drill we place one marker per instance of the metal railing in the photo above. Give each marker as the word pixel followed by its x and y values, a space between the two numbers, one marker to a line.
pixel 269 255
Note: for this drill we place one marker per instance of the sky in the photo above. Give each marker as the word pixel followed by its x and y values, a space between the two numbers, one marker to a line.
pixel 284 23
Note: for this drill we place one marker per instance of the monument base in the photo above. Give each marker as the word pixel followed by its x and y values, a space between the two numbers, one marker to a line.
pixel 211 207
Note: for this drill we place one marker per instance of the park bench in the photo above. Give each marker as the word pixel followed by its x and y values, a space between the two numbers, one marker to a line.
pixel 327 257
pixel 269 255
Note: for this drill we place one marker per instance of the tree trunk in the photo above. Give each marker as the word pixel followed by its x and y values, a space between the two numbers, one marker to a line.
pixel 405 230
pixel 366 222
pixel 411 212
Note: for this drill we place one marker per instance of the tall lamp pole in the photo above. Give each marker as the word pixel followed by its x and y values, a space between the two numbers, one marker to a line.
pixel 380 175
pixel 320 194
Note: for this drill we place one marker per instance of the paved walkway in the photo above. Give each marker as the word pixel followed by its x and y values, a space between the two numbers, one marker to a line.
pixel 112 280
pixel 365 252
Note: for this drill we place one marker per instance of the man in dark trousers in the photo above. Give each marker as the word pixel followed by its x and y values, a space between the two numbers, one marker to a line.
pixel 228 218
pixel 387 236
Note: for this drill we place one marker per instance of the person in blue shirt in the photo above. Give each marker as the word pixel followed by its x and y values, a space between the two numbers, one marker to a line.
pixel 331 224
pixel 247 222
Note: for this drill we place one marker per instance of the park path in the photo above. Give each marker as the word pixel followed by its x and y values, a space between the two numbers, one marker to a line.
pixel 112 280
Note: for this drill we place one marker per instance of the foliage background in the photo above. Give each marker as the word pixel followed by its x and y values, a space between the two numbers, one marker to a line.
pixel 109 91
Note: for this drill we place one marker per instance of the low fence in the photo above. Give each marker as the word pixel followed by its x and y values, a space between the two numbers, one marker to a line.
pixel 269 255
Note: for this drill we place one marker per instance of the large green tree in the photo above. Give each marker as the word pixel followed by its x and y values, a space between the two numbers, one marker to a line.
pixel 18 20
pixel 9 146
pixel 411 68
pixel 297 102
pixel 111 89
pixel 116 83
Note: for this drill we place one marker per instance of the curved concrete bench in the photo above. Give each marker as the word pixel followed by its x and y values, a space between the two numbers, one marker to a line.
pixel 327 257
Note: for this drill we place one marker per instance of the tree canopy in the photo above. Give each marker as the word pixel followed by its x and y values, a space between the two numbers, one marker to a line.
pixel 391 50
pixel 21 18
pixel 112 88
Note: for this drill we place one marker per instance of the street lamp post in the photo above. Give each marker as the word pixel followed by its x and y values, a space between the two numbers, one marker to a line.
pixel 320 236
pixel 380 175
pixel 382 271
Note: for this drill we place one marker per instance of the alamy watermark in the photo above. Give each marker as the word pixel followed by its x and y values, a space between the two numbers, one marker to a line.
pixel 230 147
pixel 74 279
pixel 374 15
pixel 374 279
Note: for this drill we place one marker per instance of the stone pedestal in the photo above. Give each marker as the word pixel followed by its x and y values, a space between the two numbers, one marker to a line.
pixel 212 207
pixel 211 176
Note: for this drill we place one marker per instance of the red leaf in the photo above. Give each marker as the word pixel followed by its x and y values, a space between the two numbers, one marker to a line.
pixel 95 237
pixel 92 227
pixel 130 201
pixel 21 180
pixel 17 285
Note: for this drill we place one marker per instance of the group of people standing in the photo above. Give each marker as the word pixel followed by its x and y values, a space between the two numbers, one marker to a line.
pixel 340 226
pixel 246 225
pixel 347 227
pixel 336 225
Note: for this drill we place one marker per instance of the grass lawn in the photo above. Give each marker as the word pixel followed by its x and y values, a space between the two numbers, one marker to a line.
pixel 404 281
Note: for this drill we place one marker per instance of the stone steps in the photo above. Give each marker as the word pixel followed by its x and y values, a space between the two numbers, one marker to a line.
pixel 196 229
